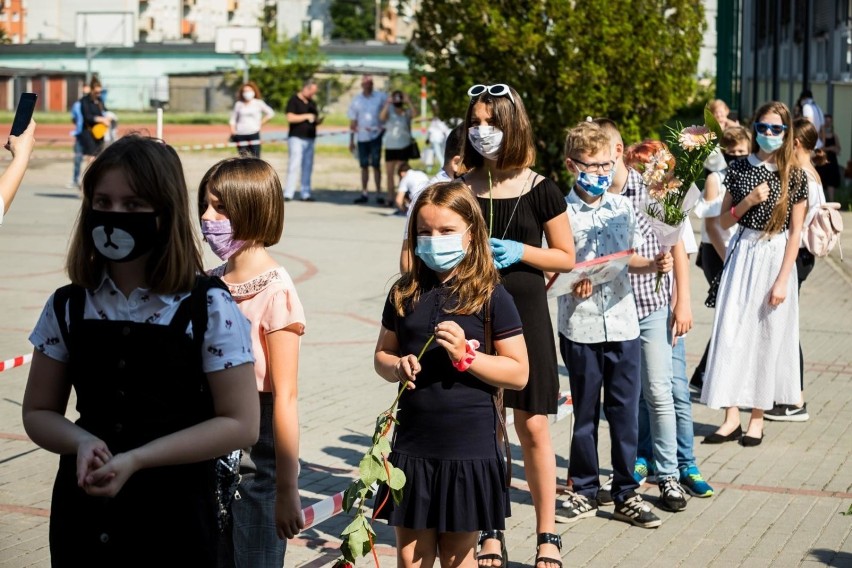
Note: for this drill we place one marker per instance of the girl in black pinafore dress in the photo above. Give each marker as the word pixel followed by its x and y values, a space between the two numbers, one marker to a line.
pixel 446 440
pixel 160 361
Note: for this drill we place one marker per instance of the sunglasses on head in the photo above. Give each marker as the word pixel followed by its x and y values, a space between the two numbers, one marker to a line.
pixel 775 129
pixel 498 90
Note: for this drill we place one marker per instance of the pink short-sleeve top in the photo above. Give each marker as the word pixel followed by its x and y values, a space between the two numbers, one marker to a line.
pixel 270 303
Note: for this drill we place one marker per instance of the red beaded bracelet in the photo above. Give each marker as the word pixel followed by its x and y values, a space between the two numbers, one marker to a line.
pixel 471 345
pixel 734 215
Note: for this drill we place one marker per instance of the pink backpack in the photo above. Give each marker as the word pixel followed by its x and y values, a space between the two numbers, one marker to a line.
pixel 823 232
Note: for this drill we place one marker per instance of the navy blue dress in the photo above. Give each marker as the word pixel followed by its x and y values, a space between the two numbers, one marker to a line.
pixel 446 440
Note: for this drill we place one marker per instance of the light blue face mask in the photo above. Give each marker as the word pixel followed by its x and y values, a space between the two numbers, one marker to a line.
pixel 442 253
pixel 593 184
pixel 769 143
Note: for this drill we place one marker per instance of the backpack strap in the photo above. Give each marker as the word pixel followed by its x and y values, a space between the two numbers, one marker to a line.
pixel 497 397
pixel 73 297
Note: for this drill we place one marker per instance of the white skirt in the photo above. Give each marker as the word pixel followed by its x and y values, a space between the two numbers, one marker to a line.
pixel 754 350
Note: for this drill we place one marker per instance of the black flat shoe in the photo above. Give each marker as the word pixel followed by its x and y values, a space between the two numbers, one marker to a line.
pixel 716 438
pixel 749 442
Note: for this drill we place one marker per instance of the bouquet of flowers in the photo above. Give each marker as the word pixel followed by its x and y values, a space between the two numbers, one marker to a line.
pixel 671 174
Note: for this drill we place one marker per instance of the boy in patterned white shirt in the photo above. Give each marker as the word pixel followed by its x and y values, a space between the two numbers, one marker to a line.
pixel 599 332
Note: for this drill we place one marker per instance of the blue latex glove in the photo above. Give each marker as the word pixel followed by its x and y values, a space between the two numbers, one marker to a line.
pixel 506 252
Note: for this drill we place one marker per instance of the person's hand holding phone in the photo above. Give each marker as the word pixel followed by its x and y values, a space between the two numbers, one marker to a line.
pixel 22 145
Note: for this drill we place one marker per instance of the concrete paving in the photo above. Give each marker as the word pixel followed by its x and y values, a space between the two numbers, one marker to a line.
pixel 780 504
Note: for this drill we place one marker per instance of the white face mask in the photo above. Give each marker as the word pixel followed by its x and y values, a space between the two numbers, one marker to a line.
pixel 487 140
pixel 248 95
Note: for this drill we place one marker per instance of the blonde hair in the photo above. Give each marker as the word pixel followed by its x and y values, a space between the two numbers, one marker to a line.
pixel 718 104
pixel 154 172
pixel 518 148
pixel 250 191
pixel 475 276
pixel 586 138
pixel 784 159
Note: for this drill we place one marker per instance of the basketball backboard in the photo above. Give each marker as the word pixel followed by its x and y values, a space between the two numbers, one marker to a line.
pixel 105 29
pixel 242 40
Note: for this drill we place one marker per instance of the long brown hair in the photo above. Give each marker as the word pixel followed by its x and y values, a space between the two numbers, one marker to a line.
pixel 784 159
pixel 154 172
pixel 518 148
pixel 475 276
pixel 805 134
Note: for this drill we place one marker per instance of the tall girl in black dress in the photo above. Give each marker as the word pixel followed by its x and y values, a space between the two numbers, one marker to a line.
pixel 519 206
pixel 160 360
pixel 446 440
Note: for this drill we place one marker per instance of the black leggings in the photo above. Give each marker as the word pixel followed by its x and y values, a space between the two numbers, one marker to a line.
pixel 712 264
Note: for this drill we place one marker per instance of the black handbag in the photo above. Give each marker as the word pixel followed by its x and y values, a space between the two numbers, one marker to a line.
pixel 710 302
pixel 413 150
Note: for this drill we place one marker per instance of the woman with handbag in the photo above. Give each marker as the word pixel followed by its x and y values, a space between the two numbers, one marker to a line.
pixel 752 361
pixel 400 146
pixel 95 123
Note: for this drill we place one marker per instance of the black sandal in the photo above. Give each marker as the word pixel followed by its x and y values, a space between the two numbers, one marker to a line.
pixel 548 538
pixel 503 557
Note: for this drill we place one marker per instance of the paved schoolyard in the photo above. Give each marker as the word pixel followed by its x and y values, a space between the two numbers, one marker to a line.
pixel 779 504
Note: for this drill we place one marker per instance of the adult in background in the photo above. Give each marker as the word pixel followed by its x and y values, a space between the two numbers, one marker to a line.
pixel 95 124
pixel 367 130
pixel 808 108
pixel 829 171
pixel 248 117
pixel 396 115
pixel 721 113
pixel 520 206
pixel 303 116
pixel 77 120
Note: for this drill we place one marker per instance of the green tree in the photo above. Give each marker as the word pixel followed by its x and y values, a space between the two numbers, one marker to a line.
pixel 353 19
pixel 633 61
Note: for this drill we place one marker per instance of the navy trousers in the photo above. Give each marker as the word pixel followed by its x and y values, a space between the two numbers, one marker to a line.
pixel 613 366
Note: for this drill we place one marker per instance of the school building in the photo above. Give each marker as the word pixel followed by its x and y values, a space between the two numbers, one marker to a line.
pixel 777 48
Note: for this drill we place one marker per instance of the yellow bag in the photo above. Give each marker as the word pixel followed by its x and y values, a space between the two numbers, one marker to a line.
pixel 99 130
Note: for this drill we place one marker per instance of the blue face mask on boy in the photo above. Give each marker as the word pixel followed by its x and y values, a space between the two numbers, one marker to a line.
pixel 442 253
pixel 769 143
pixel 593 184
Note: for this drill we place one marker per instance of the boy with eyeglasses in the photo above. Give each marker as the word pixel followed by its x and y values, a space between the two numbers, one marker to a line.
pixel 659 321
pixel 599 332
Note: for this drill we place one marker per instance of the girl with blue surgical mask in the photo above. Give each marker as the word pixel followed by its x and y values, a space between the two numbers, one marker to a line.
pixel 451 302
pixel 522 209
pixel 753 360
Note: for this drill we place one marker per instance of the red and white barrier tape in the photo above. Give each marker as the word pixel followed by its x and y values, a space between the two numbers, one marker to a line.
pixel 15 362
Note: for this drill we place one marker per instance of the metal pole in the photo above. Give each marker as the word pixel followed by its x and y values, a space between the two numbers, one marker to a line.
pixel 246 68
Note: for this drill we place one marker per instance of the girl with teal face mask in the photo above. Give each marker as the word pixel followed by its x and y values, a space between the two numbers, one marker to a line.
pixel 757 296
pixel 450 301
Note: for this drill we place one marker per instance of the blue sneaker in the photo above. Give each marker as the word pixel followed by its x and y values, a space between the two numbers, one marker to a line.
pixel 692 480
pixel 641 470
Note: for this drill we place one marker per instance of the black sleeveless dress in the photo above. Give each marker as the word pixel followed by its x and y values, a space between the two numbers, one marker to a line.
pixel 829 173
pixel 526 285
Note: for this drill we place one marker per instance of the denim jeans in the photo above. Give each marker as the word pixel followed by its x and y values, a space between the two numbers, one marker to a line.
pixel 300 165
pixel 657 422
pixel 253 541
pixel 683 407
pixel 78 160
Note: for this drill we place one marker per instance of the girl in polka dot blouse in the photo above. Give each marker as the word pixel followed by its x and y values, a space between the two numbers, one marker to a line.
pixel 753 359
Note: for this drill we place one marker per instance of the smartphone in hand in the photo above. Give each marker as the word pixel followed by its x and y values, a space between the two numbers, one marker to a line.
pixel 24 113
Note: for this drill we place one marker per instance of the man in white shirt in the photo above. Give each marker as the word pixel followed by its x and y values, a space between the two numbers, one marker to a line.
pixel 813 113
pixel 367 130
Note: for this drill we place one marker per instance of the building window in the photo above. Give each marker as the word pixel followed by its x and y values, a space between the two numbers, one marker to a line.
pixel 821 58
